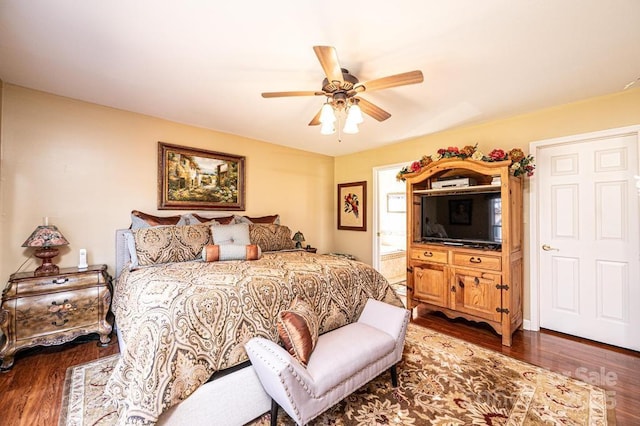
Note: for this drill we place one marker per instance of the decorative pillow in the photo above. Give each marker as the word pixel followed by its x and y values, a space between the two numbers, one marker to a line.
pixel 224 220
pixel 273 219
pixel 214 252
pixel 164 244
pixel 271 237
pixel 231 234
pixel 141 220
pixel 298 330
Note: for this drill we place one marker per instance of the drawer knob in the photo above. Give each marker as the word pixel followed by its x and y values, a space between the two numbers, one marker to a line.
pixel 475 260
pixel 428 254
pixel 61 324
pixel 60 280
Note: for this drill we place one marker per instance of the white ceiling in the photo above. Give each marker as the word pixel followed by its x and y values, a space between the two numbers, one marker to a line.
pixel 205 63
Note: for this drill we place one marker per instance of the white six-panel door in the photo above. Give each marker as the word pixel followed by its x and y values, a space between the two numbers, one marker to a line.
pixel 588 238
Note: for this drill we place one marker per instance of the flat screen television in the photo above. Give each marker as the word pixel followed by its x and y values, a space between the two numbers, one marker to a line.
pixel 468 219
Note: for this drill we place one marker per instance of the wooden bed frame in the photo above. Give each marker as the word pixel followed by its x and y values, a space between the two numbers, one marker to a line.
pixel 232 397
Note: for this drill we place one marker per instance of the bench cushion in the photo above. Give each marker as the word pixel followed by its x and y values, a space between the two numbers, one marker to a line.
pixel 344 351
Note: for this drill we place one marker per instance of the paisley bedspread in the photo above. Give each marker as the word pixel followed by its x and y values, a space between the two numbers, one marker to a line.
pixel 183 321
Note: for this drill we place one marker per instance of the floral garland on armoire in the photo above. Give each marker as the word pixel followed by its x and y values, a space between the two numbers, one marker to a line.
pixel 521 164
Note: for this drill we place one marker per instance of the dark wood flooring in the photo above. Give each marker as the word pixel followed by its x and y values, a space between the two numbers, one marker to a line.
pixel 31 392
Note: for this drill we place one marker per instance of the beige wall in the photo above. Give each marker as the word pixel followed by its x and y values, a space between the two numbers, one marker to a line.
pixel 87 166
pixel 1 163
pixel 617 110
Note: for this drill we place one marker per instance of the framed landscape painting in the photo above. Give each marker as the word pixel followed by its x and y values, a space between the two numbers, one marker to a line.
pixel 352 206
pixel 196 179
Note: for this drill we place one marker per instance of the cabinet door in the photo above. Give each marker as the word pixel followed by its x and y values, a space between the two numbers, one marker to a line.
pixel 430 283
pixel 475 292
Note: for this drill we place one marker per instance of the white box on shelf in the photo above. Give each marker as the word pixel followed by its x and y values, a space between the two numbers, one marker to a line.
pixel 453 183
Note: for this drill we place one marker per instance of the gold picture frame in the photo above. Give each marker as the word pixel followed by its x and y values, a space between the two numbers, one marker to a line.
pixel 197 179
pixel 352 206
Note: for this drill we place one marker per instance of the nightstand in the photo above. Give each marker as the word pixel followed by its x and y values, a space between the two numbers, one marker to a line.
pixel 54 309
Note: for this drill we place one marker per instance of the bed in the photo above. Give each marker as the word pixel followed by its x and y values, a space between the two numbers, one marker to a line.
pixel 182 325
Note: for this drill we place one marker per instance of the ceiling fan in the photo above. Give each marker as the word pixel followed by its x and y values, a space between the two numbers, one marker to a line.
pixel 341 89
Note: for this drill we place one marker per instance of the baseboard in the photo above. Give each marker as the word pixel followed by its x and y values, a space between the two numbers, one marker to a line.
pixel 526 325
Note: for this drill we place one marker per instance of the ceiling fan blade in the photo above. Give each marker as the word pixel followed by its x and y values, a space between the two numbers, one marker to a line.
pixel 373 110
pixel 411 77
pixel 328 58
pixel 298 93
pixel 315 121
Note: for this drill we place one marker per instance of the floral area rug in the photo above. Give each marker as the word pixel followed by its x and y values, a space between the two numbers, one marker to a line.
pixel 442 381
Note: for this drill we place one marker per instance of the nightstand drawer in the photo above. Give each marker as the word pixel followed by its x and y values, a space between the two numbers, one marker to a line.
pixel 58 282
pixel 40 315
pixel 492 263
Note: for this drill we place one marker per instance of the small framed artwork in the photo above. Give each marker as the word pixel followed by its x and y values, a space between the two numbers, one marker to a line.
pixel 460 212
pixel 396 202
pixel 352 206
pixel 196 179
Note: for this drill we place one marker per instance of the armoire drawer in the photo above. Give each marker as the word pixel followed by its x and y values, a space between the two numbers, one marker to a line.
pixel 493 263
pixel 429 255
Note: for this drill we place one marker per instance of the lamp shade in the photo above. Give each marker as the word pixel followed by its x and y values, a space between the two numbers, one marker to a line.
pixel 327 115
pixel 46 236
pixel 355 114
pixel 350 127
pixel 298 238
pixel 327 129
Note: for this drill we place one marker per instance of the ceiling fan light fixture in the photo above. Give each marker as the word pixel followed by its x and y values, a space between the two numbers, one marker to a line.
pixel 354 114
pixel 327 128
pixel 340 88
pixel 350 127
pixel 327 115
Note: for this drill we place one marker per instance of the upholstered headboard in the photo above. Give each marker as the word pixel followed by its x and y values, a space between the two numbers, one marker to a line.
pixel 122 251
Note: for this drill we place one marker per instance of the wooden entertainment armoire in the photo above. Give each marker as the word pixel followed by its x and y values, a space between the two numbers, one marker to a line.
pixel 479 282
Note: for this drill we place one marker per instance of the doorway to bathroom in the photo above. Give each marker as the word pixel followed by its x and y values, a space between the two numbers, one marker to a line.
pixel 390 227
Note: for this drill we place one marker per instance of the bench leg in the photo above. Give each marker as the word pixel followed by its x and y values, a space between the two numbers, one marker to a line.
pixel 274 412
pixel 394 376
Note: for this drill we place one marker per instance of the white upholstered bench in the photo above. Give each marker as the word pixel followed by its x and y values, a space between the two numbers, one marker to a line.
pixel 343 360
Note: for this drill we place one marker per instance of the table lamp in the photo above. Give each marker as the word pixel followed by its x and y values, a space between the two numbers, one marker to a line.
pixel 298 238
pixel 46 238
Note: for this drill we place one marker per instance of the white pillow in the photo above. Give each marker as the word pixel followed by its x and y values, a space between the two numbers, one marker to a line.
pixel 131 246
pixel 231 234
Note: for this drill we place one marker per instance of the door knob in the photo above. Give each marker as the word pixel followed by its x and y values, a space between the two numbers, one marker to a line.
pixel 547 247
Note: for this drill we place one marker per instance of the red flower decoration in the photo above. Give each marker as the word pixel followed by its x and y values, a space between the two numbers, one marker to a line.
pixel 521 164
pixel 497 155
